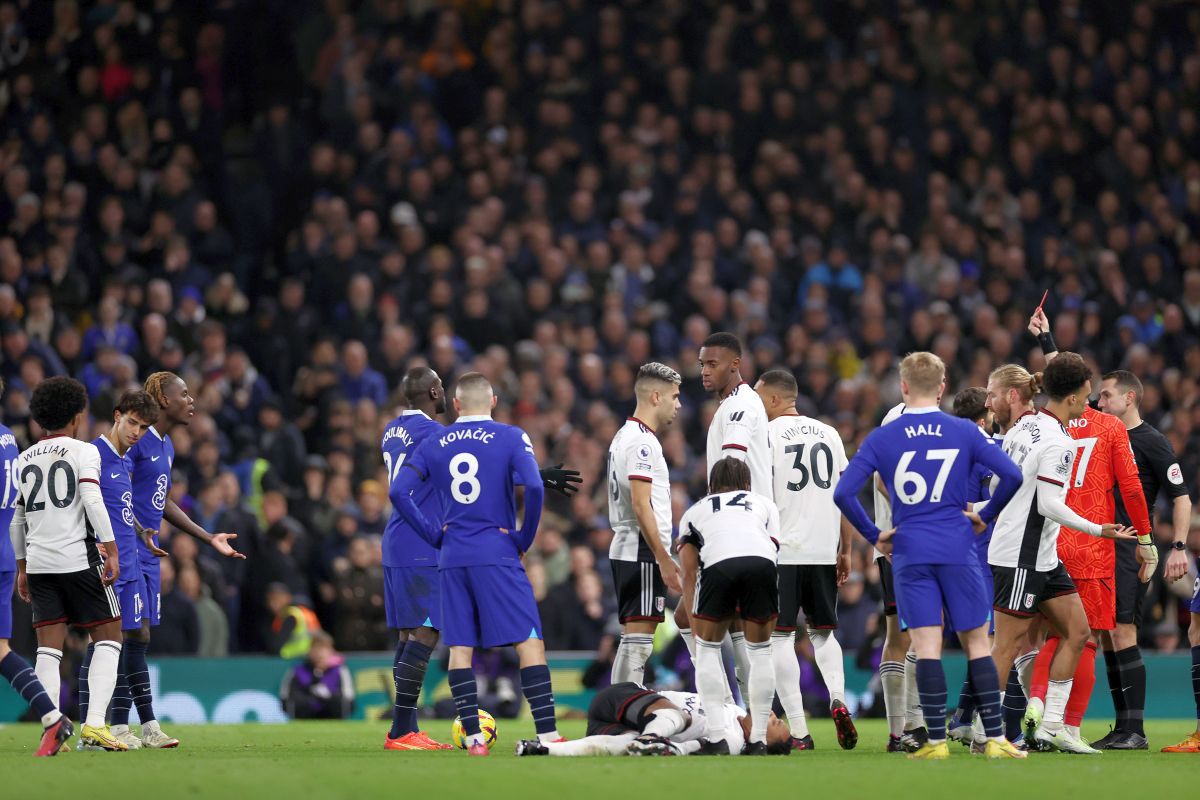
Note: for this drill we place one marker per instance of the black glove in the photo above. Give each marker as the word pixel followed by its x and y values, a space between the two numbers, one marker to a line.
pixel 561 480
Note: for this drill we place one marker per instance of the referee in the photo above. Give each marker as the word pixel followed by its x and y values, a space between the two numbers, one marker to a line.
pixel 1121 396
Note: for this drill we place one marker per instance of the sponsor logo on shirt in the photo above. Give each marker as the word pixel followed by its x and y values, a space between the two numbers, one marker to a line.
pixel 1175 475
pixel 736 416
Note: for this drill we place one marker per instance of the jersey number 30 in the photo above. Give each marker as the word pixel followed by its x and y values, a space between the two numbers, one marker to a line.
pixel 904 479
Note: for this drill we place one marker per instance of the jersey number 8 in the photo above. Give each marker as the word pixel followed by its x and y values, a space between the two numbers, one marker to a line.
pixel 464 485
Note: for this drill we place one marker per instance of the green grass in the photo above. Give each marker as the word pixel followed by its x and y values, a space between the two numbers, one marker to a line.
pixel 346 760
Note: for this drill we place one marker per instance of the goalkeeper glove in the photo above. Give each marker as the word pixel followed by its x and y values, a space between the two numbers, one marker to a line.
pixel 561 480
pixel 1147 549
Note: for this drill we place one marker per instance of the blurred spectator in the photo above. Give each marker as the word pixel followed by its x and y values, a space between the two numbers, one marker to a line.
pixel 320 687
pixel 293 625
pixel 182 636
pixel 360 622
pixel 213 628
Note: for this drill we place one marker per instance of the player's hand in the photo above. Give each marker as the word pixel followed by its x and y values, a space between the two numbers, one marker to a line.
pixel 112 567
pixel 1147 556
pixel 1176 566
pixel 977 522
pixel 220 543
pixel 1039 323
pixel 561 480
pixel 23 586
pixel 843 568
pixel 148 540
pixel 670 573
pixel 884 545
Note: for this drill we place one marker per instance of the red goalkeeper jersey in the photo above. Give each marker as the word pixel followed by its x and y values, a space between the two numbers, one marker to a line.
pixel 1103 459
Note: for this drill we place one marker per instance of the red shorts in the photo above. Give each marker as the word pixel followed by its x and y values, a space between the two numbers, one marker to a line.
pixel 1099 598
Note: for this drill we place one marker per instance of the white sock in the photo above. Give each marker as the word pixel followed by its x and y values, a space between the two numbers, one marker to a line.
pixel 711 686
pixel 978 732
pixel 689 642
pixel 1024 668
pixel 48 668
pixel 117 730
pixel 1057 694
pixel 741 662
pixel 1073 730
pixel 102 679
pixel 828 654
pixel 552 736
pixel 633 652
pixel 666 722
pixel 891 677
pixel 787 681
pixel 914 717
pixel 152 726
pixel 592 746
pixel 760 683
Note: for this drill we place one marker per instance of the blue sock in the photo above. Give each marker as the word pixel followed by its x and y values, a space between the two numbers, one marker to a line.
pixel 931 683
pixel 1014 706
pixel 409 672
pixel 137 673
pixel 17 671
pixel 399 717
pixel 1196 678
pixel 84 693
pixel 535 684
pixel 462 686
pixel 964 713
pixel 986 682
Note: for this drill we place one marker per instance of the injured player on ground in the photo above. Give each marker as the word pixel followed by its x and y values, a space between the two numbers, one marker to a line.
pixel 628 719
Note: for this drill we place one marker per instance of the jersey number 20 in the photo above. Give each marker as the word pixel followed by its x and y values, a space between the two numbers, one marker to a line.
pixel 59 501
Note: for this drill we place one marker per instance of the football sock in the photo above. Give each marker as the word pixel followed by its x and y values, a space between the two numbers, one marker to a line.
pixel 1196 680
pixel 102 679
pixel 137 672
pixel 1024 668
pixel 828 654
pixel 689 641
pixel 913 716
pixel 466 699
pixel 666 722
pixel 1133 682
pixel 47 667
pixel 964 712
pixel 535 685
pixel 985 683
pixel 400 720
pixel 17 672
pixel 1013 706
pixel 409 674
pixel 1115 689
pixel 1056 704
pixel 1081 688
pixel 787 681
pixel 632 654
pixel 711 686
pixel 122 700
pixel 931 683
pixel 741 662
pixel 891 676
pixel 760 686
pixel 592 746
pixel 83 679
pixel 1040 678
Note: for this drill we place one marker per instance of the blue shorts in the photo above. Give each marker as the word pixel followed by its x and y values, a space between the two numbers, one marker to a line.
pixel 151 595
pixel 1195 607
pixel 410 597
pixel 8 579
pixel 488 606
pixel 924 590
pixel 133 605
pixel 989 586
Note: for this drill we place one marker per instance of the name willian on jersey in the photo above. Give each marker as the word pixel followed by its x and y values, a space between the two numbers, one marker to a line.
pixel 43 449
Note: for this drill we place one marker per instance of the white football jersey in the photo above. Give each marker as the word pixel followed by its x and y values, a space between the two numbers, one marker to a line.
pixel 883 506
pixel 636 455
pixel 1044 451
pixel 732 525
pixel 697 729
pixel 739 429
pixel 807 458
pixel 51 526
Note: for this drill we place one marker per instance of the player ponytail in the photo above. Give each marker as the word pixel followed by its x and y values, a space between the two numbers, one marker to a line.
pixel 1014 376
pixel 1065 375
pixel 156 386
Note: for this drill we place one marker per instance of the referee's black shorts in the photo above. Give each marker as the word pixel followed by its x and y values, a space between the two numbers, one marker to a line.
pixel 1131 592
pixel 73 598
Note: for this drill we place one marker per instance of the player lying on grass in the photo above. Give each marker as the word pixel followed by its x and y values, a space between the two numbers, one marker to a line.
pixel 628 719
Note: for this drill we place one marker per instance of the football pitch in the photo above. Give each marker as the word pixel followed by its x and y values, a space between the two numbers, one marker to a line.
pixel 347 760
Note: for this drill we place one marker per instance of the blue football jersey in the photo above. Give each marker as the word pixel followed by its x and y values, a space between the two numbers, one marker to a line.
pixel 979 491
pixel 473 466
pixel 403 546
pixel 117 489
pixel 152 458
pixel 12 492
pixel 927 459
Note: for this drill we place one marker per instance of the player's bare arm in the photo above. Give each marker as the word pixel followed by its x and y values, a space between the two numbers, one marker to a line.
pixel 1177 560
pixel 844 547
pixel 649 530
pixel 112 565
pixel 218 541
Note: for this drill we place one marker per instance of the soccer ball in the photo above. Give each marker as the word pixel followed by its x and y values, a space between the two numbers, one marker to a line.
pixel 487 724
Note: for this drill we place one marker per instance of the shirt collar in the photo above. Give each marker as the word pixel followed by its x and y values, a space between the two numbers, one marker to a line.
pixel 475 418
pixel 156 433
pixel 412 412
pixel 111 446
pixel 923 410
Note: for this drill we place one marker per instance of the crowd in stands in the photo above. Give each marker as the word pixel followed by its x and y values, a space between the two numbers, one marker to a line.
pixel 291 202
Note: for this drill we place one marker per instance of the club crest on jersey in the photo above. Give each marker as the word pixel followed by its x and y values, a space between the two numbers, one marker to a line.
pixel 660 604
pixel 1175 475
pixel 1029 598
pixel 1064 463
